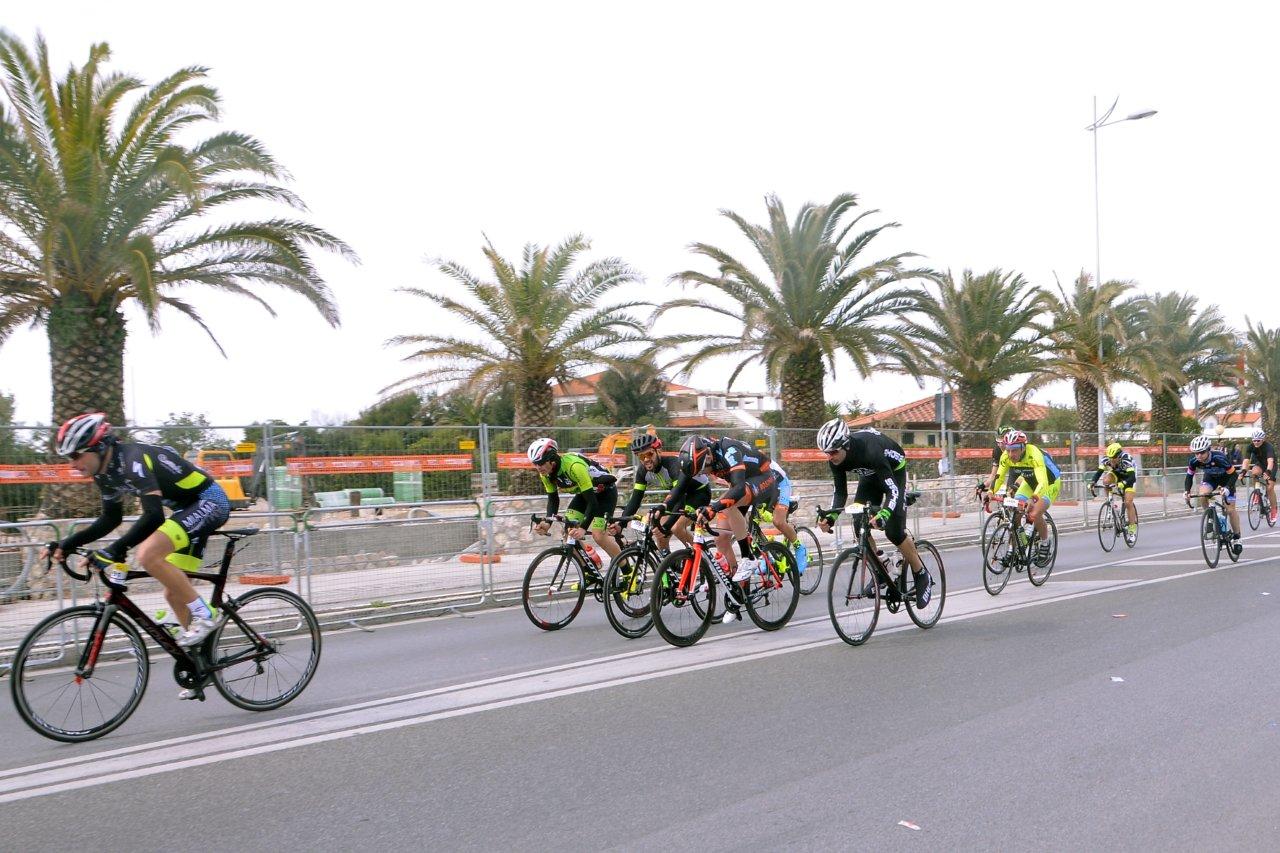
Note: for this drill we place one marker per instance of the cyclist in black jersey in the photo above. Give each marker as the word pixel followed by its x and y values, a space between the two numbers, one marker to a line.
pixel 1262 462
pixel 158 476
pixel 881 466
pixel 662 472
pixel 595 492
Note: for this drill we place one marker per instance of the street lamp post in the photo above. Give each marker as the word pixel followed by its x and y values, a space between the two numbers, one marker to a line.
pixel 1100 122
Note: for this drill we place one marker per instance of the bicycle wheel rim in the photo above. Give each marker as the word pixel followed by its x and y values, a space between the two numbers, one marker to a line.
pixel 811 578
pixel 932 612
pixel 1209 542
pixel 554 588
pixel 1107 527
pixel 995 574
pixel 267 661
pixel 1039 574
pixel 853 614
pixel 772 594
pixel 627 589
pixel 1255 510
pixel 682 617
pixel 49 697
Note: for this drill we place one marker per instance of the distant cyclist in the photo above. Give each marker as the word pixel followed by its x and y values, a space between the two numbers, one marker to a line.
pixel 1262 462
pixel 1118 468
pixel 656 471
pixel 159 477
pixel 1218 472
pixel 881 466
pixel 595 492
pixel 1041 484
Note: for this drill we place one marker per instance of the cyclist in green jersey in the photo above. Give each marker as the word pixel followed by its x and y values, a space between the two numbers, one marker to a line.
pixel 595 492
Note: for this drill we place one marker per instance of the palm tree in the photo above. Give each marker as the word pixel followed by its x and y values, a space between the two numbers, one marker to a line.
pixel 534 324
pixel 820 297
pixel 102 206
pixel 1185 347
pixel 1075 341
pixel 1258 384
pixel 975 334
pixel 633 393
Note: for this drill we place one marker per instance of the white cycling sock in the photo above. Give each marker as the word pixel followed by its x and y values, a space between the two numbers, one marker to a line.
pixel 199 610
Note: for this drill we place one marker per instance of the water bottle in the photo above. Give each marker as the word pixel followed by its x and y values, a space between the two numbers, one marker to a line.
pixel 118 573
pixel 1223 524
pixel 591 552
pixel 168 623
pixel 723 562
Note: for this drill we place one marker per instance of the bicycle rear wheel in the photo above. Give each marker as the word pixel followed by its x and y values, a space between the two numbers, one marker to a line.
pixel 1107 533
pixel 854 613
pixel 995 552
pixel 812 574
pixel 554 588
pixel 1255 509
pixel 1210 543
pixel 267 651
pixel 682 616
pixel 1039 574
pixel 773 592
pixel 627 586
pixel 932 560
pixel 63 706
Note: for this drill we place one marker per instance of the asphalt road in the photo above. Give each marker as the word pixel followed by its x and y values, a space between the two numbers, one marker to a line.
pixel 1129 703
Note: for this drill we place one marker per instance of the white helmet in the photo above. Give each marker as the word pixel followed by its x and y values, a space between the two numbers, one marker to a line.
pixel 542 449
pixel 1259 435
pixel 1199 444
pixel 832 435
pixel 82 433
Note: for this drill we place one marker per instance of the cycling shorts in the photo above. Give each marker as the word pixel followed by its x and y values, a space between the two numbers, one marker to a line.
pixel 783 501
pixel 871 490
pixel 1049 495
pixel 1124 481
pixel 1226 482
pixel 606 503
pixel 188 528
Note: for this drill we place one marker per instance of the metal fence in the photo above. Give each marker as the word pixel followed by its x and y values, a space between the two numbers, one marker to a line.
pixel 368 522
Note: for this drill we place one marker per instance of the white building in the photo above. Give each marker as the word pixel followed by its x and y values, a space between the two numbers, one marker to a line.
pixel 687 407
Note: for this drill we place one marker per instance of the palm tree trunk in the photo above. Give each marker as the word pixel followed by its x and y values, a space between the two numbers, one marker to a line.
pixel 977 402
pixel 1166 412
pixel 803 410
pixel 86 351
pixel 535 409
pixel 1086 407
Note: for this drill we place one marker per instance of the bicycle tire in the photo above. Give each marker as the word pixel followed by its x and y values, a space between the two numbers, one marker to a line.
pixel 933 565
pixel 627 587
pixel 811 577
pixel 562 591
pixel 676 627
pixel 772 608
pixel 996 544
pixel 1039 574
pixel 845 600
pixel 1131 539
pixel 1255 509
pixel 43 660
pixel 1107 533
pixel 257 679
pixel 1209 533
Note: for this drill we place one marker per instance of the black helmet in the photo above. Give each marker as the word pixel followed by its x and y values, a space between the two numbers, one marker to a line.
pixel 694 454
pixel 644 441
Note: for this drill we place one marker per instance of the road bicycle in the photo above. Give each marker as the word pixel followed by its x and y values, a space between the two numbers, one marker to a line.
pixel 683 597
pixel 1011 545
pixel 1215 530
pixel 815 559
pixel 558 580
pixel 627 584
pixel 82 671
pixel 1259 508
pixel 1111 519
pixel 860 580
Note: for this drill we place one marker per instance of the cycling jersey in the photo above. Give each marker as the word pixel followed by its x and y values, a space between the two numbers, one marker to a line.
pixel 746 469
pixel 665 476
pixel 1218 470
pixel 1121 466
pixel 1036 467
pixel 1260 454
pixel 584 478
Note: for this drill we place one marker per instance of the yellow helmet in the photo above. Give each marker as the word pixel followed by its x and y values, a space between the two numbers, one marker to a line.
pixel 1113 449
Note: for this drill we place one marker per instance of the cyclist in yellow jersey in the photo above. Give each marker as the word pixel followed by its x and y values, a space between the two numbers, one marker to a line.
pixel 1041 483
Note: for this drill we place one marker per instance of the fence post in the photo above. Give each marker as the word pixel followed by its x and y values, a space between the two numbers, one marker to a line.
pixel 1164 471
pixel 486 522
pixel 773 445
pixel 268 457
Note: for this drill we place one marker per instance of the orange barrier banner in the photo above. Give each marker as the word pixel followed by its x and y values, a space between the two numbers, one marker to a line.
pixel 304 466
pixel 229 468
pixel 509 461
pixel 924 452
pixel 973 452
pixel 15 474
pixel 803 454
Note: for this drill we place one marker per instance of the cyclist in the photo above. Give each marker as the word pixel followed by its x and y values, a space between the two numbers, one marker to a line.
pixel 1118 467
pixel 881 466
pixel 1041 483
pixel 595 492
pixel 662 472
pixel 1262 462
pixel 1218 472
pixel 158 476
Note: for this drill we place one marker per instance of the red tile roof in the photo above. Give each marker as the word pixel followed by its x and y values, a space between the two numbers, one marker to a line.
pixel 585 386
pixel 925 411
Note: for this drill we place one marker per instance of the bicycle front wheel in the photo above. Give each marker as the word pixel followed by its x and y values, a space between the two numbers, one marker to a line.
pixel 1210 543
pixel 995 554
pixel 266 652
pixel 58 703
pixel 1255 509
pixel 1036 573
pixel 773 592
pixel 928 616
pixel 812 574
pixel 554 588
pixel 853 597
pixel 627 586
pixel 1107 526
pixel 682 613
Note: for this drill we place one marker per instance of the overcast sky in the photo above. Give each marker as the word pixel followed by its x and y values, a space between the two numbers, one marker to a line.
pixel 410 132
